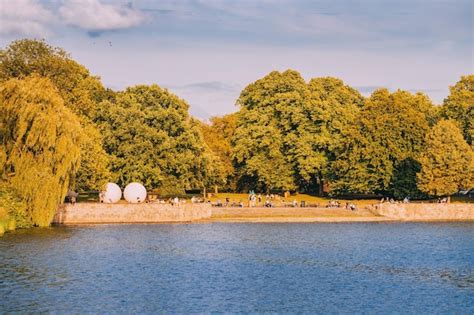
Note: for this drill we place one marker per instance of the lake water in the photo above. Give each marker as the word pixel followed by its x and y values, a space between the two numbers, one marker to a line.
pixel 182 268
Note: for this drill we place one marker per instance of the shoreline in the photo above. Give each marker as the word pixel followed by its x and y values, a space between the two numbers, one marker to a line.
pixel 272 221
pixel 97 213
pixel 331 220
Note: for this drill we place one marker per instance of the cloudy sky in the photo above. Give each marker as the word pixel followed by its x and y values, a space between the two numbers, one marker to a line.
pixel 206 51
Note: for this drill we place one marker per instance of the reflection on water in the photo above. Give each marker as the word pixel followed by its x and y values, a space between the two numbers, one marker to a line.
pixel 240 268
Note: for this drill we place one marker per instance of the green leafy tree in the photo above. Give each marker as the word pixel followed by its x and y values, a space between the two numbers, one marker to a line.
pixel 153 140
pixel 79 90
pixel 288 130
pixel 94 171
pixel 40 138
pixel 447 163
pixel 459 105
pixel 329 112
pixel 390 128
pixel 218 135
pixel 270 110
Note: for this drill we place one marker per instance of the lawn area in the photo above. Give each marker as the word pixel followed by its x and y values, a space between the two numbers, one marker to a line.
pixel 237 197
pixel 308 199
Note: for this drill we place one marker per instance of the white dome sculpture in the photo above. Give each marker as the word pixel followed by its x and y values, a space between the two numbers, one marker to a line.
pixel 112 193
pixel 135 193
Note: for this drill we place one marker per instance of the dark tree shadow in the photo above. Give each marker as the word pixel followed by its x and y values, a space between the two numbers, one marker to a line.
pixel 403 182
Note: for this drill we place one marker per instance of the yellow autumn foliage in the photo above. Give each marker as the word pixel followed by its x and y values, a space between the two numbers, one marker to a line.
pixel 41 138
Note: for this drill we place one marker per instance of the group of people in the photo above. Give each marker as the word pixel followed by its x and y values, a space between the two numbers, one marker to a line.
pixel 337 204
pixel 174 201
pixel 228 203
pixel 333 204
pixel 257 200
pixel 351 206
pixel 254 200
pixel 391 200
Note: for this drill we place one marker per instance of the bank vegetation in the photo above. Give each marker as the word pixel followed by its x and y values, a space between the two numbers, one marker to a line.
pixel 61 129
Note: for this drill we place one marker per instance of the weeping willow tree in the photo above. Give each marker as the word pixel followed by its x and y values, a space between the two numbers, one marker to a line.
pixel 40 140
pixel 80 92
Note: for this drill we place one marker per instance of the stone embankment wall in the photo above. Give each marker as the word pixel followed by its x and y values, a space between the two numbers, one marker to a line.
pixel 426 211
pixel 90 213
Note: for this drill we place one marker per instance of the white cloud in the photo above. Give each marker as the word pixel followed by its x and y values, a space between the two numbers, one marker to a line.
pixel 24 18
pixel 93 15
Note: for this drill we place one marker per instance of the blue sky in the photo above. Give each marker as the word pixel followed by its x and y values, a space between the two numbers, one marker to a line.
pixel 206 51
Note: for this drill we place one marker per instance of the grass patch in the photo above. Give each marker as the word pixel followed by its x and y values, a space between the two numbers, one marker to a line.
pixel 308 199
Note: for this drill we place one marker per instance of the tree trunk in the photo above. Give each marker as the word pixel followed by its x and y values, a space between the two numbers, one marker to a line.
pixel 215 189
pixel 204 193
pixel 321 184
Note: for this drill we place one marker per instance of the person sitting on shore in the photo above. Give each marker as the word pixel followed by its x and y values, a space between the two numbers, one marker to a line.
pixel 253 200
pixel 71 196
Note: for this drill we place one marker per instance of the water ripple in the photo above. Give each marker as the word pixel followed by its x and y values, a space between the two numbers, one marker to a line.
pixel 244 268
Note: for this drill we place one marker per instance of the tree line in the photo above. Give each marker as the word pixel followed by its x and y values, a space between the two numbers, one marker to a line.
pixel 324 136
pixel 61 129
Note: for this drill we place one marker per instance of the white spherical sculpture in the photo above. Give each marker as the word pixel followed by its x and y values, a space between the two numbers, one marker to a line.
pixel 134 193
pixel 113 193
